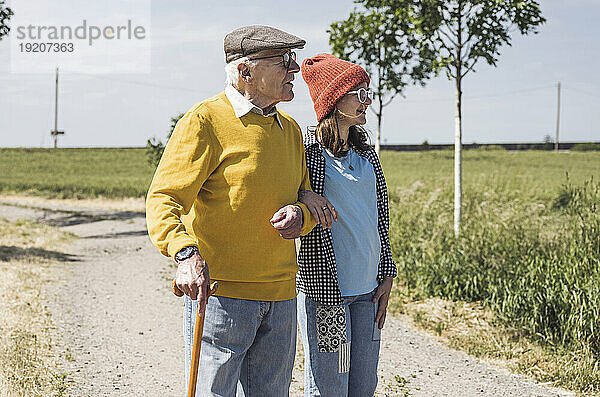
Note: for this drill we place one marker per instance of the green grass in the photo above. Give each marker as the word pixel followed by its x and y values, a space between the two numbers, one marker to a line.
pixel 586 147
pixel 78 173
pixel 29 357
pixel 527 174
pixel 529 247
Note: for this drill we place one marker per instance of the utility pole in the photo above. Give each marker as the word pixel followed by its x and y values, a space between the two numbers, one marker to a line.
pixel 55 132
pixel 557 117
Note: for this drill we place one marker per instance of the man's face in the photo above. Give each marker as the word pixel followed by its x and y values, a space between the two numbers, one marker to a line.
pixel 271 79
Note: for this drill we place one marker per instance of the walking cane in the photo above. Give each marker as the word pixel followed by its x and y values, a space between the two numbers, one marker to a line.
pixel 197 337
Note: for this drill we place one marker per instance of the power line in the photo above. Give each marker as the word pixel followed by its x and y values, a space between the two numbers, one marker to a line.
pixel 511 92
pixel 441 99
pixel 582 91
pixel 144 84
pixel 169 87
pixel 504 93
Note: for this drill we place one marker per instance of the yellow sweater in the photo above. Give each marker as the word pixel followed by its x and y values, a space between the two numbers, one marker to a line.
pixel 218 184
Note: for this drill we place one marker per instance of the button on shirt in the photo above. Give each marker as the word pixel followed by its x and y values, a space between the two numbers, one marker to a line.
pixel 350 186
pixel 242 106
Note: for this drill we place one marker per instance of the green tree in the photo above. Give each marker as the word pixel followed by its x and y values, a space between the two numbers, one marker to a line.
pixel 5 14
pixel 155 147
pixel 384 40
pixel 462 33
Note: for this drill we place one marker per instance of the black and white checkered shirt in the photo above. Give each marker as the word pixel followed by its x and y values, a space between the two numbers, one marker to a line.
pixel 317 277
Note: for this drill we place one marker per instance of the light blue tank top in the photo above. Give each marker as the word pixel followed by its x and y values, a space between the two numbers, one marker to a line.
pixel 350 187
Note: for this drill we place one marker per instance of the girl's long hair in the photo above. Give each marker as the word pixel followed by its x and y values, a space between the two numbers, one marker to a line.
pixel 327 133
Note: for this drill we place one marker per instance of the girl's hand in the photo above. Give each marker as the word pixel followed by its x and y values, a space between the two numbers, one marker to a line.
pixel 383 296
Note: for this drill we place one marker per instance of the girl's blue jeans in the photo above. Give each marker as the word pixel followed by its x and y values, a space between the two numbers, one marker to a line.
pixel 339 369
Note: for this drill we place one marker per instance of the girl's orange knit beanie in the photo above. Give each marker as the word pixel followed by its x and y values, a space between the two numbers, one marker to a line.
pixel 328 79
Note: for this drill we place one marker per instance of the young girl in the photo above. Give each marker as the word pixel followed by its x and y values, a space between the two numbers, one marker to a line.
pixel 346 268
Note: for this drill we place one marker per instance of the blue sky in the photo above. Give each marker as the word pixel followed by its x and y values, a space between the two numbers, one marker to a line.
pixel 515 102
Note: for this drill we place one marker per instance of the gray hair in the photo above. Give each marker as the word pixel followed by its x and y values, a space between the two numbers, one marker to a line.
pixel 232 74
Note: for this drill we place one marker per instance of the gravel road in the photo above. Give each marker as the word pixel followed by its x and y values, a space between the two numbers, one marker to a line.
pixel 118 326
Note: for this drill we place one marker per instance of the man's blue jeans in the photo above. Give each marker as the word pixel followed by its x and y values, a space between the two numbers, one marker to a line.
pixel 248 347
pixel 347 368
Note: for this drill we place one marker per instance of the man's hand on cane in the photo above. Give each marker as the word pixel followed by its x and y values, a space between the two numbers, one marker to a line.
pixel 193 279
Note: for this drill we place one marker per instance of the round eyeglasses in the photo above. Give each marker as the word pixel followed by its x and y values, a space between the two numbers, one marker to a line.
pixel 363 94
pixel 287 57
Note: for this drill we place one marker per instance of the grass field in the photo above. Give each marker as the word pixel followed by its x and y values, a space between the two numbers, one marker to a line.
pixel 78 173
pixel 30 257
pixel 528 254
pixel 529 248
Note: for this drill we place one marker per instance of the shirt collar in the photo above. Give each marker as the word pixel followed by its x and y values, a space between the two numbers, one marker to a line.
pixel 242 106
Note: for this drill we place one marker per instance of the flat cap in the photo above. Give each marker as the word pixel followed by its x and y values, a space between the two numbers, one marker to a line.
pixel 251 39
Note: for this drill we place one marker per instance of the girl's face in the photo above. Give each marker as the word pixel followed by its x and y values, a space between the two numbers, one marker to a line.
pixel 351 110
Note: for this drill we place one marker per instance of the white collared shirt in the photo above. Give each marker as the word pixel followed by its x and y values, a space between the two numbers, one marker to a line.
pixel 242 106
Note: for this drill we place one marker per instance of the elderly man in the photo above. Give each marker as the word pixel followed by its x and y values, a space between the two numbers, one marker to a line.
pixel 225 197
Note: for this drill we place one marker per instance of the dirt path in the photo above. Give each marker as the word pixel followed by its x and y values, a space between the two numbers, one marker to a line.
pixel 119 327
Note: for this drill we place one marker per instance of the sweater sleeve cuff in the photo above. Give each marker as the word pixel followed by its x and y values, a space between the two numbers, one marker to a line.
pixel 390 270
pixel 179 243
pixel 308 222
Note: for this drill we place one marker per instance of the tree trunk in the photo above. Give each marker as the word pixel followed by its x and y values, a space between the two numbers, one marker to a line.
pixel 378 139
pixel 379 117
pixel 458 127
pixel 458 158
pixel 557 117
